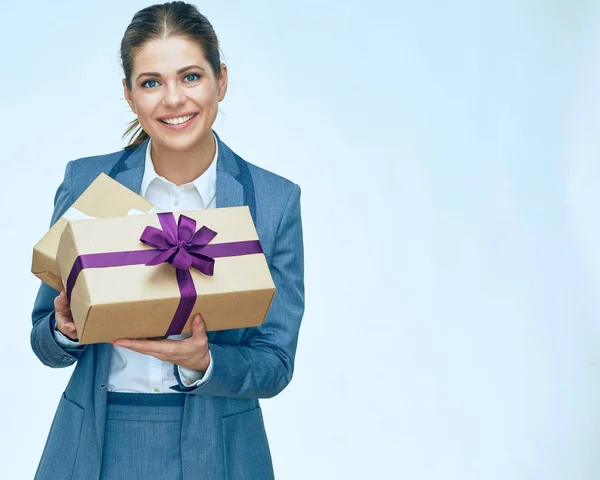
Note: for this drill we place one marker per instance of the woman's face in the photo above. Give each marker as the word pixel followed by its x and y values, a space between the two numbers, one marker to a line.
pixel 175 93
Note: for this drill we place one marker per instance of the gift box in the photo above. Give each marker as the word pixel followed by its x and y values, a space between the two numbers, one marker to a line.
pixel 146 276
pixel 104 197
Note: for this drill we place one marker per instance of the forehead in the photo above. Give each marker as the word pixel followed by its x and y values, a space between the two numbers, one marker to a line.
pixel 168 54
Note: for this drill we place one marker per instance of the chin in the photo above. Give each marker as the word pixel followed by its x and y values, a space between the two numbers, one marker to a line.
pixel 180 143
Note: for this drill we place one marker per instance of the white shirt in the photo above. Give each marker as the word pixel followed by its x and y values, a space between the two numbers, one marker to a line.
pixel 135 372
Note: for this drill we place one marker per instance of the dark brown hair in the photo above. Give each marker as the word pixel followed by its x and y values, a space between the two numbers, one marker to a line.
pixel 172 19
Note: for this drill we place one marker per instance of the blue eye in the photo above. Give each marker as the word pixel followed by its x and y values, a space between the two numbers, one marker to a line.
pixel 147 83
pixel 194 76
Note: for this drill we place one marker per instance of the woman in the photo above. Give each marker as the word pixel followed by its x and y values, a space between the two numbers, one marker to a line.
pixel 185 407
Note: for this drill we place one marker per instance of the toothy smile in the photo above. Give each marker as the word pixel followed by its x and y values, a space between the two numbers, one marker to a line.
pixel 177 120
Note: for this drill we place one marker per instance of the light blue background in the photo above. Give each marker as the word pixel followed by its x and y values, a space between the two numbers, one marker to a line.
pixel 448 155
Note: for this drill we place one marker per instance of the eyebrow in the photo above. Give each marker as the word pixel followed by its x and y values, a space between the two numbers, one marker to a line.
pixel 181 70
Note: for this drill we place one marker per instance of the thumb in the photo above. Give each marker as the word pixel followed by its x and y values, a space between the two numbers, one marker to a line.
pixel 61 302
pixel 197 326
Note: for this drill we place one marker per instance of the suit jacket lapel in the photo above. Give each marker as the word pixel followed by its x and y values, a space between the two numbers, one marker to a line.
pixel 234 182
pixel 129 169
pixel 230 191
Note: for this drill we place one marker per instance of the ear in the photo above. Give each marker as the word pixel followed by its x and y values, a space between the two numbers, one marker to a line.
pixel 223 82
pixel 127 94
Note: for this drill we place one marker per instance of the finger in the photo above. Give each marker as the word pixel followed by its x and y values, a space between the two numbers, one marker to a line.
pixel 171 357
pixel 64 315
pixel 149 347
pixel 60 309
pixel 68 329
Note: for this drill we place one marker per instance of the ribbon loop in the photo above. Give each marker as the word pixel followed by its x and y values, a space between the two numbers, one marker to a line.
pixel 180 245
pixel 186 227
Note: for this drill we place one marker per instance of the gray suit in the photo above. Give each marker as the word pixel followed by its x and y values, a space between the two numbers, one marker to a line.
pixel 223 435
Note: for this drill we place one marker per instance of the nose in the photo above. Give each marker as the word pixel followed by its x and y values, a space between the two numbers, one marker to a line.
pixel 174 96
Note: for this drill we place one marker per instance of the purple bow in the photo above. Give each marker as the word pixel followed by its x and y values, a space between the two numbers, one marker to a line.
pixel 180 245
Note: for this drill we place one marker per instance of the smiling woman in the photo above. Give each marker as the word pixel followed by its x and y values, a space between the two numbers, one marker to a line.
pixel 186 406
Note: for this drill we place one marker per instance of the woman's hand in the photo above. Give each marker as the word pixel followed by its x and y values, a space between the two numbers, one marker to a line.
pixel 64 318
pixel 191 352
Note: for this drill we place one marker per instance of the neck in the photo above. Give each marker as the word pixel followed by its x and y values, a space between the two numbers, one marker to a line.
pixel 182 167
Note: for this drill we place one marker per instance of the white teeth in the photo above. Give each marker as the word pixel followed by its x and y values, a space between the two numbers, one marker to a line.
pixel 176 121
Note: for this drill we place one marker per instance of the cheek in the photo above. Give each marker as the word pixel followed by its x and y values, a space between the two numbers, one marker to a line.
pixel 145 106
pixel 146 112
pixel 144 101
pixel 207 98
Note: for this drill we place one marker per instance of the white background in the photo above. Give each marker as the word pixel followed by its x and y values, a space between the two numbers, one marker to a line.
pixel 448 159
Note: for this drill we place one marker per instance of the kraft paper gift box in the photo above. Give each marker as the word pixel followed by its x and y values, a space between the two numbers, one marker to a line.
pixel 203 261
pixel 104 197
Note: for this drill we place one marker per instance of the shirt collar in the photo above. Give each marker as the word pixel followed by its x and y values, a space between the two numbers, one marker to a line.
pixel 206 184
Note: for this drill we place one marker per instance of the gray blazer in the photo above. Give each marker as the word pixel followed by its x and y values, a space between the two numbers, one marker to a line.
pixel 223 433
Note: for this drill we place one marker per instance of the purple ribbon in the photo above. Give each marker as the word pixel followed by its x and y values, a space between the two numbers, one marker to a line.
pixel 178 244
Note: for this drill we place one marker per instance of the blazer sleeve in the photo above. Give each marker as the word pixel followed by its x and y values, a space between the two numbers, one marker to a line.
pixel 262 366
pixel 42 339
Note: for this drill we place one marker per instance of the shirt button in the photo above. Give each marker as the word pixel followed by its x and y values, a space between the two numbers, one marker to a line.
pixel 176 202
pixel 157 390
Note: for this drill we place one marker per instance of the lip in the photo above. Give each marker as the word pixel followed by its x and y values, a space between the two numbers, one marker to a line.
pixel 180 126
